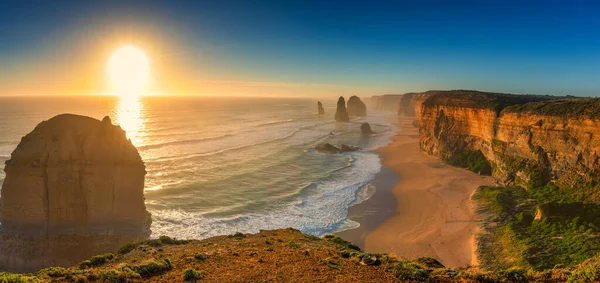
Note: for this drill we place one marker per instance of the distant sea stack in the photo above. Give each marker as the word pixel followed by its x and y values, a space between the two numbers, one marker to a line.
pixel 320 108
pixel 356 107
pixel 341 115
pixel 74 188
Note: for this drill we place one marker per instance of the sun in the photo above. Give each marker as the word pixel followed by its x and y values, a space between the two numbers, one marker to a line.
pixel 129 70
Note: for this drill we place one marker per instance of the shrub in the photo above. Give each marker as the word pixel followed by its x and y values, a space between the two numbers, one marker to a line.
pixel 406 270
pixel 475 161
pixel 589 271
pixel 152 268
pixel 192 275
pixel 54 271
pixel 14 278
pixel 293 244
pixel 116 276
pixel 200 256
pixel 341 242
pixel 96 261
pixel 162 240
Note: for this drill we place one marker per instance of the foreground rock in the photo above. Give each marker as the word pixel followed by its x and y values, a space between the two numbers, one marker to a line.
pixel 356 107
pixel 365 128
pixel 320 108
pixel 74 187
pixel 329 148
pixel 341 115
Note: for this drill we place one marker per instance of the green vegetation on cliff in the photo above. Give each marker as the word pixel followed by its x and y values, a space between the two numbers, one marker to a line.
pixel 473 160
pixel 536 228
pixel 480 99
pixel 570 108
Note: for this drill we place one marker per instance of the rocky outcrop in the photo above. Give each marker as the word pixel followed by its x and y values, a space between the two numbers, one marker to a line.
pixel 520 135
pixel 341 115
pixel 365 128
pixel 71 183
pixel 329 148
pixel 320 108
pixel 356 107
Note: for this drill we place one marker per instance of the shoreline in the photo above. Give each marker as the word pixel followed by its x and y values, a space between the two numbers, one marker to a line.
pixel 421 206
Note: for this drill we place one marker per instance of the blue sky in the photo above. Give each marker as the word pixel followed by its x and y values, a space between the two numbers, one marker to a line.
pixel 367 48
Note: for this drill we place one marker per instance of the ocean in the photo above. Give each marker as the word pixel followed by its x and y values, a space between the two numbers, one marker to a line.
pixel 220 165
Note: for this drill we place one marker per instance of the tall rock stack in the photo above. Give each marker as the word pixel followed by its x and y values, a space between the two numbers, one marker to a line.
pixel 74 188
pixel 356 107
pixel 320 108
pixel 341 115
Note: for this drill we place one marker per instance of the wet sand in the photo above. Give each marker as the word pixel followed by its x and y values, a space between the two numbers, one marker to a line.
pixel 427 212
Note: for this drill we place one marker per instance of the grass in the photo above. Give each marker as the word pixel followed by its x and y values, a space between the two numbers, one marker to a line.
pixel 153 267
pixel 161 241
pixel 337 261
pixel 192 275
pixel 566 232
pixel 96 261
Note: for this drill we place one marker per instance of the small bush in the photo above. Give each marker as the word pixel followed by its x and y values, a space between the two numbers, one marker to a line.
pixel 152 268
pixel 200 256
pixel 117 276
pixel 162 240
pixel 54 271
pixel 15 278
pixel 96 261
pixel 192 275
pixel 293 244
pixel 341 242
pixel 407 270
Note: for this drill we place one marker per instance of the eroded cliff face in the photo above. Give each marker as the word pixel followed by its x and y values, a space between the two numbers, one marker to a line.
pixel 72 178
pixel 517 135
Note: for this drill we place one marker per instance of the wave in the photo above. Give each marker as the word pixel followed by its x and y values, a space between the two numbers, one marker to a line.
pixel 274 123
pixel 193 155
pixel 320 211
pixel 159 145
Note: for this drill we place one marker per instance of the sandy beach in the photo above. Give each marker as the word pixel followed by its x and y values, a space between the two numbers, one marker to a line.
pixel 432 214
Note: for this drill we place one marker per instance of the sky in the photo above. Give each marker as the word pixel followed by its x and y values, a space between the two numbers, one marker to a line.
pixel 304 48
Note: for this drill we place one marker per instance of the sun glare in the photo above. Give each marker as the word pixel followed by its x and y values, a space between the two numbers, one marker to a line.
pixel 129 70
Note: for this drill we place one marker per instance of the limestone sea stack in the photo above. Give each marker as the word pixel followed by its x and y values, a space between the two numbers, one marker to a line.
pixel 341 115
pixel 356 107
pixel 365 128
pixel 74 188
pixel 320 108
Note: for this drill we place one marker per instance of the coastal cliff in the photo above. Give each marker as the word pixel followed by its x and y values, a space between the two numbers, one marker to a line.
pixel 386 102
pixel 73 188
pixel 543 153
pixel 517 134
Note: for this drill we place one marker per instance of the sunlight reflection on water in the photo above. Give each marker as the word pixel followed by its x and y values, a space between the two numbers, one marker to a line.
pixel 129 114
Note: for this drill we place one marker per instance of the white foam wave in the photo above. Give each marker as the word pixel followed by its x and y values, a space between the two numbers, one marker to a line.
pixel 318 211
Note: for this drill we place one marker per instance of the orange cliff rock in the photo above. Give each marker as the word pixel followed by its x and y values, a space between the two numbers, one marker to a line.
pixel 73 188
pixel 518 134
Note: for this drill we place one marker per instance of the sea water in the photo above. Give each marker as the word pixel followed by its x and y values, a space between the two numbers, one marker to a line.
pixel 220 165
